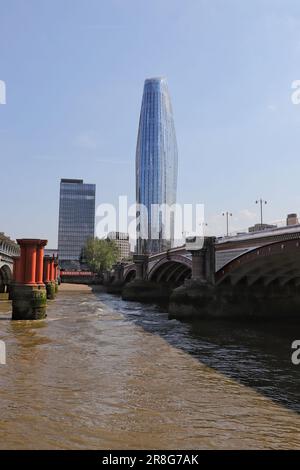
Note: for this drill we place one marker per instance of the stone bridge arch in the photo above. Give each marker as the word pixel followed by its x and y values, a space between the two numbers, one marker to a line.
pixel 5 278
pixel 271 264
pixel 129 274
pixel 171 270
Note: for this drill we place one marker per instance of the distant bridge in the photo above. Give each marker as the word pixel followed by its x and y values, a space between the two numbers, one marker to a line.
pixel 171 266
pixel 77 277
pixel 8 250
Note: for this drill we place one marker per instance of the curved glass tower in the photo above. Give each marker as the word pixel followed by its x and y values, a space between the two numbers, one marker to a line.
pixel 156 168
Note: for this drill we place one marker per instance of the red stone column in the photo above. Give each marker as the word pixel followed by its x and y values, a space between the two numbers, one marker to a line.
pixel 40 261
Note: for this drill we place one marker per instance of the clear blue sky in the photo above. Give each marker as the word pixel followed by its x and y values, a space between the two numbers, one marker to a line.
pixel 74 71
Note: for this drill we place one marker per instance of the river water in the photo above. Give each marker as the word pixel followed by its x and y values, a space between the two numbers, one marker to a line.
pixel 102 373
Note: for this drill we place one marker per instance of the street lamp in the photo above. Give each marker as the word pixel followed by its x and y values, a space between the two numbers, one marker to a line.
pixel 261 202
pixel 227 215
pixel 202 225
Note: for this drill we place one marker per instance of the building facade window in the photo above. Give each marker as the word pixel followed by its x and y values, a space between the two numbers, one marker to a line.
pixel 76 218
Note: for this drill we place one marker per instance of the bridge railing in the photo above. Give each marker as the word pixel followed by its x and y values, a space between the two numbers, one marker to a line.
pixel 280 223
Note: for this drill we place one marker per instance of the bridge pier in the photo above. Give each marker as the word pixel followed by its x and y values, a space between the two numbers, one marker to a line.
pixel 141 262
pixel 49 277
pixel 195 297
pixel 141 289
pixel 203 262
pixel 29 292
pixel 117 285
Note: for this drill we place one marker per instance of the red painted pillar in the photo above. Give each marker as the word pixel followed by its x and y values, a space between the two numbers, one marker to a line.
pixel 22 263
pixel 40 261
pixel 30 268
pixel 55 269
pixel 52 274
pixel 17 270
pixel 31 261
pixel 28 294
pixel 49 270
pixel 46 269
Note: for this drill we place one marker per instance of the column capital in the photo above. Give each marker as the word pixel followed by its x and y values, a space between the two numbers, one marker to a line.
pixel 31 242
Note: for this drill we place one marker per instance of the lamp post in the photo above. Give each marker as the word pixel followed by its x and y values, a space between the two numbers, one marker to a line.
pixel 203 226
pixel 261 202
pixel 227 215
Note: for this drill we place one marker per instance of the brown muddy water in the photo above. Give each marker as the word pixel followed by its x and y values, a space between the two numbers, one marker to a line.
pixel 102 373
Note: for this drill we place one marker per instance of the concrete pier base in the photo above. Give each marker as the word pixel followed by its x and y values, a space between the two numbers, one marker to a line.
pixel 146 291
pixel 29 302
pixel 50 289
pixel 115 287
pixel 196 300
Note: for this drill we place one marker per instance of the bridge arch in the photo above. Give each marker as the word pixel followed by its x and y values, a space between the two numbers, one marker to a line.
pixel 271 264
pixel 171 270
pixel 129 275
pixel 5 278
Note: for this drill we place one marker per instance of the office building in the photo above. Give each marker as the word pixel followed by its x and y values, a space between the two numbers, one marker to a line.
pixel 76 220
pixel 122 241
pixel 156 168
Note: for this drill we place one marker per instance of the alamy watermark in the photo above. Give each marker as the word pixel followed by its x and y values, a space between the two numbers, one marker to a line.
pixel 2 92
pixel 2 353
pixel 154 221
pixel 296 354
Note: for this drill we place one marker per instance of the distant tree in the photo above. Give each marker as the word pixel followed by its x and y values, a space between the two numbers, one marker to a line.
pixel 100 254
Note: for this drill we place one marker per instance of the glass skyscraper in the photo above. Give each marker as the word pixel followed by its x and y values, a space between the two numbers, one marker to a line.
pixel 156 167
pixel 76 219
